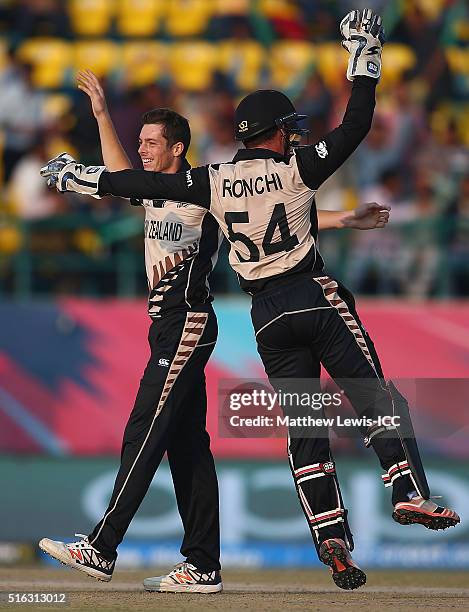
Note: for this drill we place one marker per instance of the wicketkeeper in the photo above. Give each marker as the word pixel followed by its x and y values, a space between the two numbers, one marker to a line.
pixel 181 248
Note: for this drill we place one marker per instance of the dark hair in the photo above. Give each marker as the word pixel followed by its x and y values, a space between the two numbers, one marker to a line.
pixel 260 138
pixel 175 126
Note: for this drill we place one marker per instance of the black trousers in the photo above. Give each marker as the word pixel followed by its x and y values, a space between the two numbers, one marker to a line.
pixel 305 323
pixel 169 415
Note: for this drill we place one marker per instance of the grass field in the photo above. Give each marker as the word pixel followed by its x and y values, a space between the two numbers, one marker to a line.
pixel 256 590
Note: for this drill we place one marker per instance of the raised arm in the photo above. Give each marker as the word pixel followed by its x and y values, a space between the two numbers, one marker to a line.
pixel 363 36
pixel 318 162
pixel 114 156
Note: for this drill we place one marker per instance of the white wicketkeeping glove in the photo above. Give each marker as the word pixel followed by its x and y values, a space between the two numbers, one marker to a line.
pixel 66 174
pixel 54 166
pixel 363 34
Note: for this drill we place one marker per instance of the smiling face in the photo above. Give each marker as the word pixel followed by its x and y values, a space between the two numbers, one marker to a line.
pixel 156 153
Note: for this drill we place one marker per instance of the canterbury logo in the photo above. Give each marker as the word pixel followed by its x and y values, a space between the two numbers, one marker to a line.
pixel 243 126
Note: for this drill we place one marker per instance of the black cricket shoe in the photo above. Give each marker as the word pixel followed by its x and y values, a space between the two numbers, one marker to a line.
pixel 345 572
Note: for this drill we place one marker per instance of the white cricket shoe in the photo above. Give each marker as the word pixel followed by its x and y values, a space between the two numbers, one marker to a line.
pixel 81 556
pixel 185 578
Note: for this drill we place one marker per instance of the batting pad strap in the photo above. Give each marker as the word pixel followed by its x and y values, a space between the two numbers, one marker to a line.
pixel 80 179
pixel 376 430
pixel 395 471
pixel 331 517
pixel 315 470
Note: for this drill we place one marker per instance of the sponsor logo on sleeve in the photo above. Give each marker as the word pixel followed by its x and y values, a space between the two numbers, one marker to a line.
pixel 372 67
pixel 189 180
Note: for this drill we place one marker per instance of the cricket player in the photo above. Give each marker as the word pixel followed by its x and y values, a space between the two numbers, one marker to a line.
pixel 169 415
pixel 181 248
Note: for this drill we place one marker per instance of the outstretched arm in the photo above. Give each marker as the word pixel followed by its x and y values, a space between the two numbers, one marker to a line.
pixel 366 216
pixel 192 186
pixel 114 156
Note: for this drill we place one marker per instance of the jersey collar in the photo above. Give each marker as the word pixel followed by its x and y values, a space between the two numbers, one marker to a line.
pixel 243 154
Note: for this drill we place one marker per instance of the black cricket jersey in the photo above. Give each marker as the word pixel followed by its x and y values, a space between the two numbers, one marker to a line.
pixel 263 201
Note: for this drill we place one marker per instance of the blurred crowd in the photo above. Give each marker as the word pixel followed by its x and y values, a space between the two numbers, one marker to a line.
pixel 416 157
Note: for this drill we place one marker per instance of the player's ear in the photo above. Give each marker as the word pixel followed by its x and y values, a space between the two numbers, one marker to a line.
pixel 178 149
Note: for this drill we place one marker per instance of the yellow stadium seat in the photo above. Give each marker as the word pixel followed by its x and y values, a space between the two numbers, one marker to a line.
pixel 11 239
pixel 463 125
pixel 461 30
pixel 91 17
pixel 57 105
pixel 288 60
pixel 140 17
pixel 244 60
pixel 100 56
pixel 397 58
pixel 3 54
pixel 284 9
pixel 332 63
pixel 232 7
pixel 192 64
pixel 50 57
pixel 143 62
pixel 458 59
pixel 188 17
pixel 431 8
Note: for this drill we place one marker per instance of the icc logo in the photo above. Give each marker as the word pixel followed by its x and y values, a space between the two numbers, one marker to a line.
pixel 243 126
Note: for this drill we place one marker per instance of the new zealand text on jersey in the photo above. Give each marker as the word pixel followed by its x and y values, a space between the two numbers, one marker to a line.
pixel 163 230
pixel 244 187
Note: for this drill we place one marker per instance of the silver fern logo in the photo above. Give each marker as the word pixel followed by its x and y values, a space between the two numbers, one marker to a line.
pixel 321 149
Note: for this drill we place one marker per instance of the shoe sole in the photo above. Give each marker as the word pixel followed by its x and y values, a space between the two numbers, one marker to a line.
pixel 184 588
pixel 61 556
pixel 350 578
pixel 430 521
